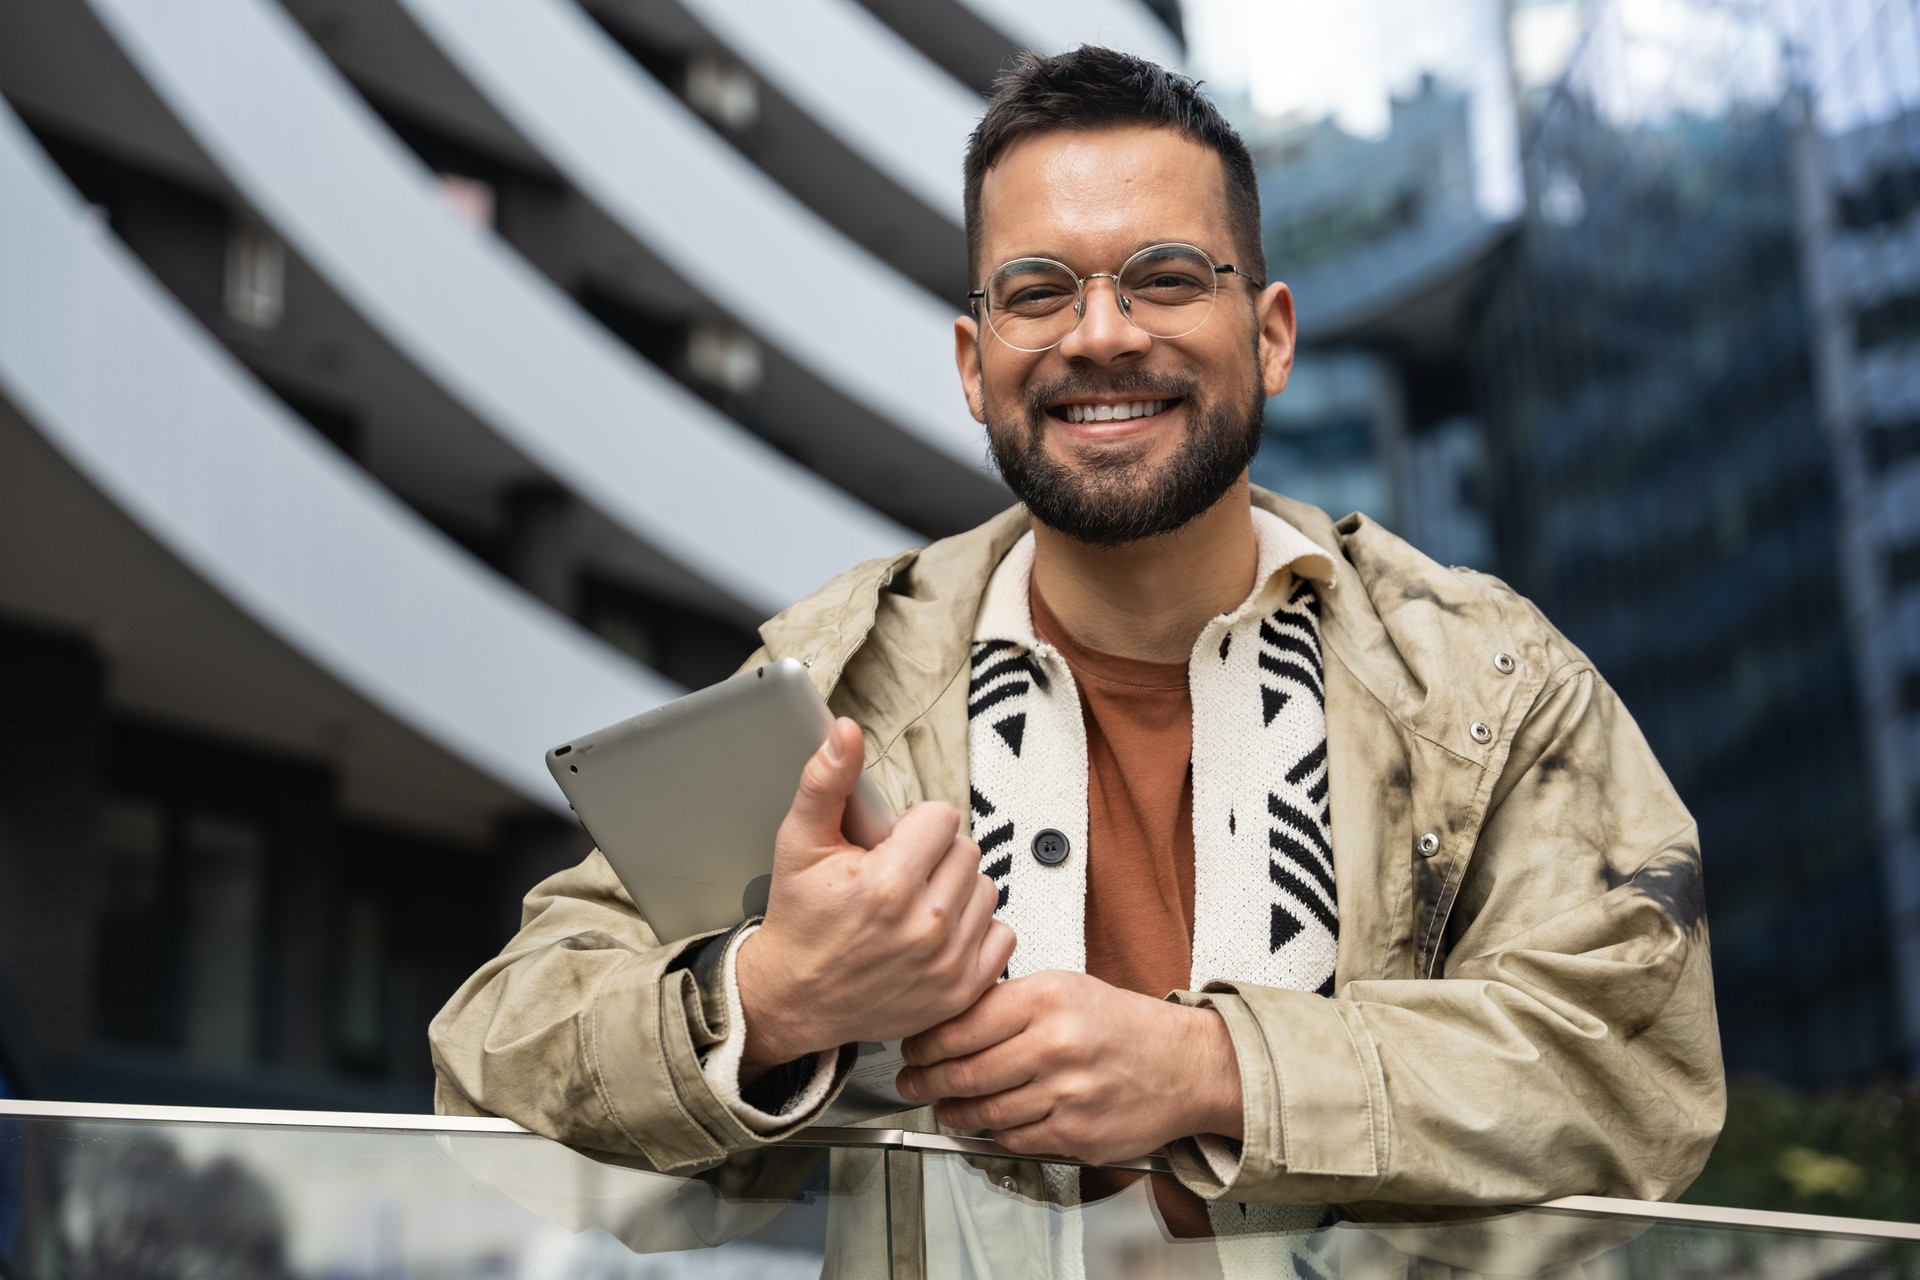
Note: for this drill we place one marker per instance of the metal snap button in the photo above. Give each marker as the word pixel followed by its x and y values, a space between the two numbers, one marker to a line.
pixel 1429 844
pixel 1007 1184
pixel 1050 847
pixel 1481 734
pixel 1503 663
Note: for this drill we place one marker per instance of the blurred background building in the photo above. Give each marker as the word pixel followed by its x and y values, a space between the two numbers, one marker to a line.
pixel 390 389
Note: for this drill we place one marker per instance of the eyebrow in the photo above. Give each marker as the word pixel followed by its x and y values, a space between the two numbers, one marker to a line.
pixel 1143 244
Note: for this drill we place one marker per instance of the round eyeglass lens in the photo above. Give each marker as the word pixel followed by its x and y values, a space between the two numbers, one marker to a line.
pixel 1170 289
pixel 1032 303
pixel 1165 290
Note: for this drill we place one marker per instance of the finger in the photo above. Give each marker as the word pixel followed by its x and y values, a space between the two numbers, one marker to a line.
pixel 993 1070
pixel 1026 1105
pixel 1044 1138
pixel 812 824
pixel 976 915
pixel 922 838
pixel 995 951
pixel 951 884
pixel 999 1014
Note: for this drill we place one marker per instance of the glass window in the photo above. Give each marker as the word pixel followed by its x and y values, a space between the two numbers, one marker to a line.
pixel 224 865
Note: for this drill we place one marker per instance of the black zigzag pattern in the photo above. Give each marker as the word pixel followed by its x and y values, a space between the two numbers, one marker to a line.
pixel 1289 659
pixel 1299 842
pixel 1002 674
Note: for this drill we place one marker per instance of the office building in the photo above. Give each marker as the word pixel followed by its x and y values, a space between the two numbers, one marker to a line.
pixel 390 390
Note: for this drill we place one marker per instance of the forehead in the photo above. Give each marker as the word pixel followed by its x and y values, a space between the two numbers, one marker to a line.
pixel 1084 196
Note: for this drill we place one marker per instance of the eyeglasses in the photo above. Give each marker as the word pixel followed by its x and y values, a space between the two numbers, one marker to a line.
pixel 1164 290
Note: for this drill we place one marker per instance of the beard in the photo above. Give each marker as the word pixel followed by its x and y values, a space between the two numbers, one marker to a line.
pixel 1115 495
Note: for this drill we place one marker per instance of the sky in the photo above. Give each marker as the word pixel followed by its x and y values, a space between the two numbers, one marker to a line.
pixel 1307 59
pixel 1346 59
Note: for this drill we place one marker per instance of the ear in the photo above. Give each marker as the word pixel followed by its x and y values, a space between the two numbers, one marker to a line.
pixel 1274 310
pixel 966 361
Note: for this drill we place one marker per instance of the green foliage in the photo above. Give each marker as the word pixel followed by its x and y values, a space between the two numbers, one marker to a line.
pixel 1854 1153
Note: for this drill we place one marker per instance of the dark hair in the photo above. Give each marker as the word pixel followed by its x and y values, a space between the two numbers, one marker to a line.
pixel 1096 88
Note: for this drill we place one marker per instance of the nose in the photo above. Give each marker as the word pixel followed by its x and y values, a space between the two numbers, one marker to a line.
pixel 1104 335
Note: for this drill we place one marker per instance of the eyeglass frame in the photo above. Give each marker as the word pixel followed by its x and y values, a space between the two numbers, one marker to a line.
pixel 977 298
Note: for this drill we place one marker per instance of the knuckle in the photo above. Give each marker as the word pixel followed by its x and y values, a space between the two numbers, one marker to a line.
pixel 931 1047
pixel 817 775
pixel 963 1079
pixel 1028 1141
pixel 1054 1043
pixel 890 893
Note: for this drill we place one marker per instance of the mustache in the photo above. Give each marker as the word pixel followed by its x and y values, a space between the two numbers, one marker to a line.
pixel 1134 383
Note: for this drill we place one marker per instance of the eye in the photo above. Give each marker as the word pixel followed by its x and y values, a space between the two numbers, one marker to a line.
pixel 1036 297
pixel 1167 286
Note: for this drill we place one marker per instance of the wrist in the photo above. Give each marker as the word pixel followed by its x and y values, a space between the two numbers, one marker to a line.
pixel 1220 1106
pixel 773 1034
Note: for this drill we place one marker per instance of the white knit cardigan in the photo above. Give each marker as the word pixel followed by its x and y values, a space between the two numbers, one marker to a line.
pixel 1264 903
pixel 1265 910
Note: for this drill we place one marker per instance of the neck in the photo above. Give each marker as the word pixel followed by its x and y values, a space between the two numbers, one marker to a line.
pixel 1148 600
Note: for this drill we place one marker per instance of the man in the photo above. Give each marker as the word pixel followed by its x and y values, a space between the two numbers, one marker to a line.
pixel 1428 911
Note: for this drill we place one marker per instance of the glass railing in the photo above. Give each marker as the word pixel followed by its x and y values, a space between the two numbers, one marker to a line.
pixel 155 1193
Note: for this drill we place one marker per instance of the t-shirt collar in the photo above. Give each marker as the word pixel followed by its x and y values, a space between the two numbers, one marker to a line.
pixel 1282 553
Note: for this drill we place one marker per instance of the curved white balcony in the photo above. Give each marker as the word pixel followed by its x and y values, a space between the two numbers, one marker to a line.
pixel 1065 24
pixel 301 147
pixel 901 113
pixel 974 39
pixel 640 155
pixel 106 367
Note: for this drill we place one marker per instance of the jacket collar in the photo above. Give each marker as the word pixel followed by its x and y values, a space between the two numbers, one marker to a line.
pixel 1281 551
pixel 930 597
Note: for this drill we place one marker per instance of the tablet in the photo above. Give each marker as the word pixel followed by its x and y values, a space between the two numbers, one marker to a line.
pixel 685 802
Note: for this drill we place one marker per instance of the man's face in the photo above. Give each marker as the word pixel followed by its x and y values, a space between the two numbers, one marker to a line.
pixel 1090 200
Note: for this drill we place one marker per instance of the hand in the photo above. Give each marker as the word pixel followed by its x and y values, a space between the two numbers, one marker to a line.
pixel 864 944
pixel 1064 1064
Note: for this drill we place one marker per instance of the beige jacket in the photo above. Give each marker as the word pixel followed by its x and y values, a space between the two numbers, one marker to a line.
pixel 1524 1007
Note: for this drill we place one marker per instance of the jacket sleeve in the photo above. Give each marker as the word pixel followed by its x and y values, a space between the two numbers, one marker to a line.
pixel 589 1030
pixel 1568 1045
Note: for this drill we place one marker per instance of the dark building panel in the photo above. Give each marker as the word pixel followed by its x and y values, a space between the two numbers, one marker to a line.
pixel 52 731
pixel 1668 499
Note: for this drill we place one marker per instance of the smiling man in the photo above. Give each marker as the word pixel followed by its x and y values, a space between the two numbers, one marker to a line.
pixel 1227 830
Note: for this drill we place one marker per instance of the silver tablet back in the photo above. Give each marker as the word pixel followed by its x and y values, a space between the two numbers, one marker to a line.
pixel 685 800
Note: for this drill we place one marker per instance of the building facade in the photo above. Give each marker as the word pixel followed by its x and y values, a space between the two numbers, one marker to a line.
pixel 1858 191
pixel 389 390
pixel 1667 494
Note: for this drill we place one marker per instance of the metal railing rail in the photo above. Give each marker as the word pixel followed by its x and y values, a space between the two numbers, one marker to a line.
pixel 930 1144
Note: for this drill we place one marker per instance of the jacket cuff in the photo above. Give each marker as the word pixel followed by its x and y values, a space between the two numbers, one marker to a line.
pixel 1314 1113
pixel 639 1037
pixel 784 1097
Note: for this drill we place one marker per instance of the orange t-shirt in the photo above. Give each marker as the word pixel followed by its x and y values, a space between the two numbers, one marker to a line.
pixel 1139 911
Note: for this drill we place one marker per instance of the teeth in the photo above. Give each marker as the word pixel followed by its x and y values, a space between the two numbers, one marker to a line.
pixel 1114 412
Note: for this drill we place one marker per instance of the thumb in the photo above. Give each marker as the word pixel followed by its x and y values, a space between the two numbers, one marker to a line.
pixel 812 825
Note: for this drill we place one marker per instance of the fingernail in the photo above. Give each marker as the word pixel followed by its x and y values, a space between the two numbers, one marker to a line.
pixel 908 1084
pixel 834 752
